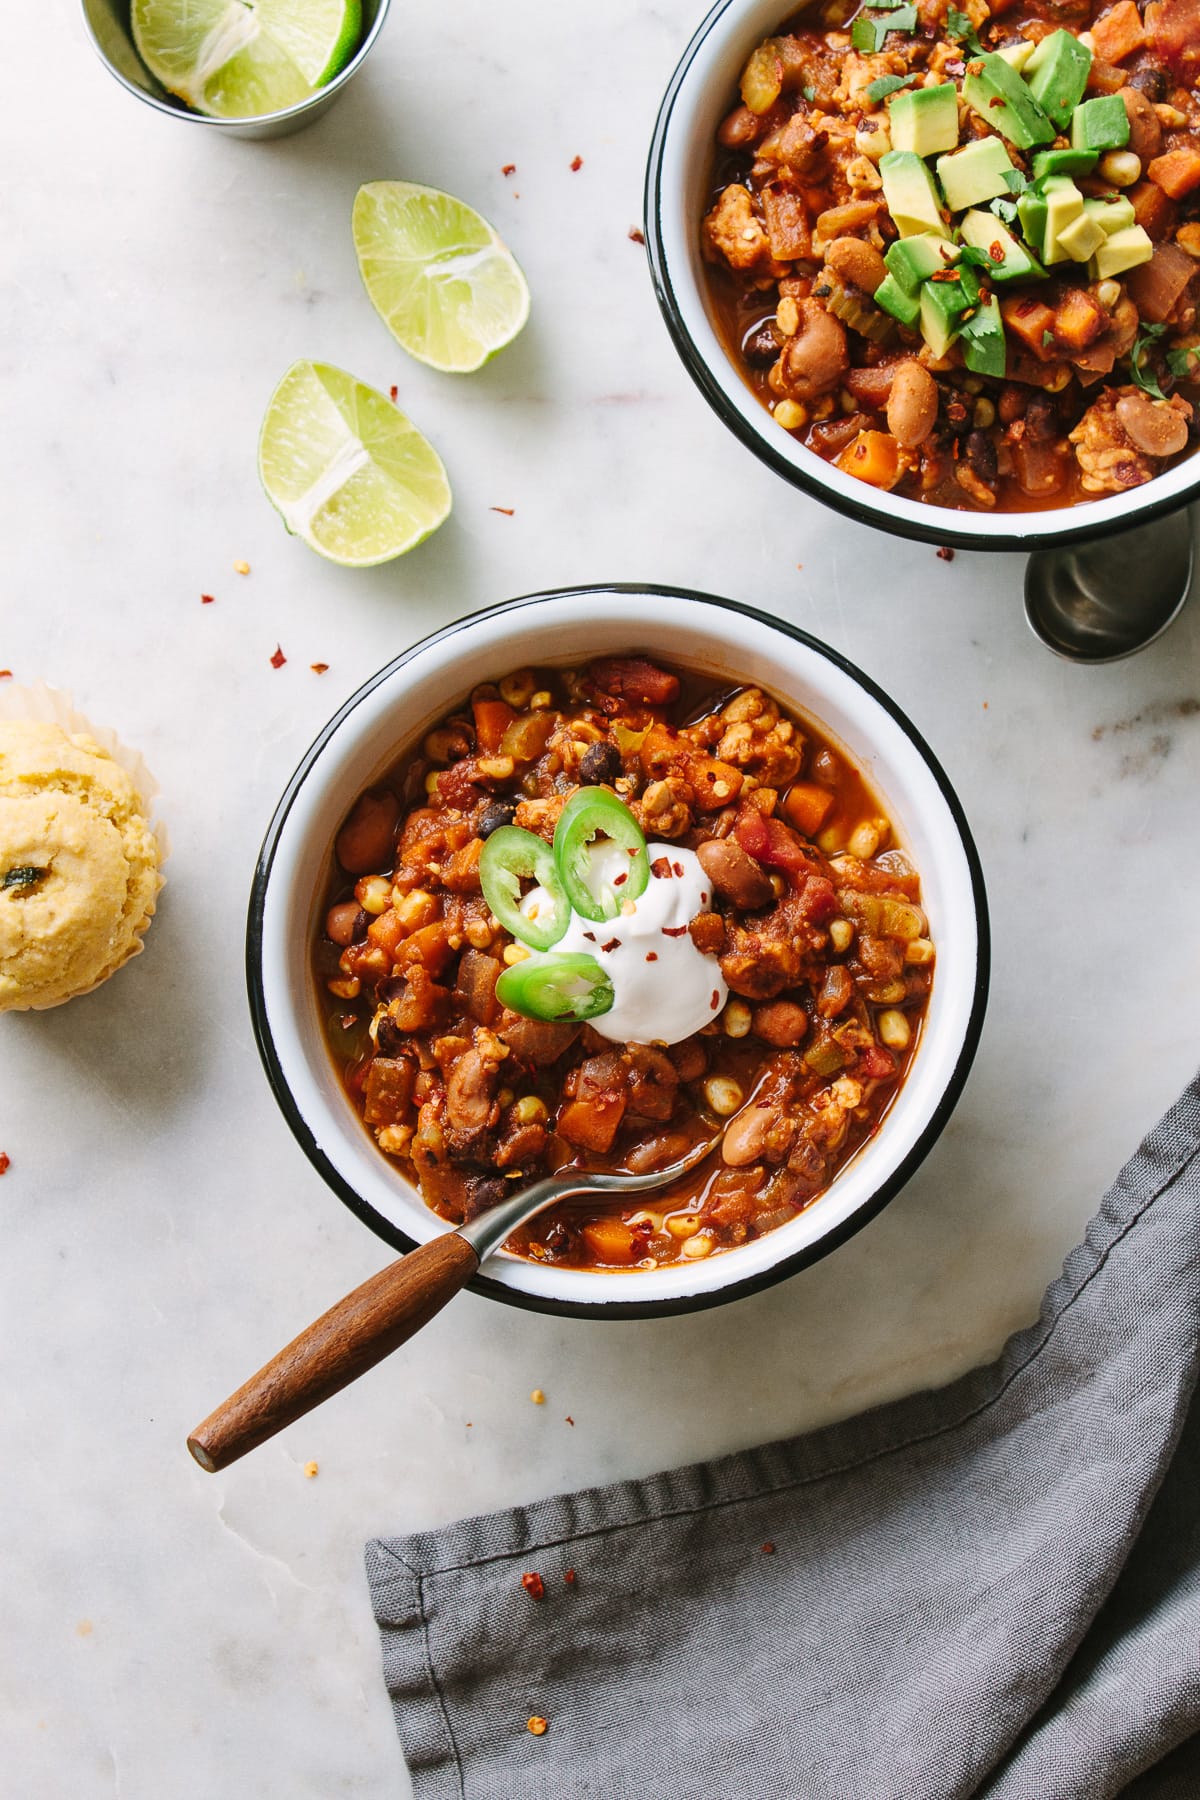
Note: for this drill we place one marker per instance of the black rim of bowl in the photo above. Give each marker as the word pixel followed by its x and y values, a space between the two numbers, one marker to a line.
pixel 941 529
pixel 632 1308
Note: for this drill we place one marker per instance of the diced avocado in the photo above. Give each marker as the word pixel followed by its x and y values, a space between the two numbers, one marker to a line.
pixel 893 299
pixel 924 120
pixel 979 172
pixel 1100 124
pixel 911 197
pixel 1031 211
pixel 1057 75
pixel 996 92
pixel 1064 204
pixel 1081 238
pixel 983 346
pixel 1111 215
pixel 1064 162
pixel 913 260
pixel 985 232
pixel 942 306
pixel 1017 55
pixel 1123 250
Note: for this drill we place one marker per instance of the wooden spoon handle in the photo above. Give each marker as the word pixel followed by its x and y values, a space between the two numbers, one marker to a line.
pixel 350 1338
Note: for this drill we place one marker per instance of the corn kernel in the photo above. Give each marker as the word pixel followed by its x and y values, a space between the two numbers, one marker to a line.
pixel 505 1097
pixel 1121 167
pixel 537 1725
pixel 496 768
pixel 1108 293
pixel 310 1469
pixel 864 840
pixel 394 1138
pixel 541 700
pixel 919 952
pixel 415 909
pixel 683 1225
pixel 831 840
pixel 696 1247
pixel 529 1110
pixel 790 414
pixel 518 687
pixel 841 934
pixel 538 1398
pixel 241 568
pixel 723 1094
pixel 374 894
pixel 478 933
pixel 894 1030
pixel 348 988
pixel 514 953
pixel 443 746
pixel 736 1019
pixel 431 782
pixel 787 316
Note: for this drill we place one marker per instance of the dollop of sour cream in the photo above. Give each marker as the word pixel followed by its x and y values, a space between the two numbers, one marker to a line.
pixel 664 988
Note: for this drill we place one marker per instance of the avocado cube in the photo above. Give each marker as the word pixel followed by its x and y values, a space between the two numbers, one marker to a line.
pixel 1014 262
pixel 893 299
pixel 1064 204
pixel 983 346
pixel 1057 75
pixel 1064 162
pixel 1031 211
pixel 913 260
pixel 1081 238
pixel 942 306
pixel 1123 250
pixel 911 197
pixel 996 92
pixel 1111 215
pixel 1017 55
pixel 979 172
pixel 924 120
pixel 1100 124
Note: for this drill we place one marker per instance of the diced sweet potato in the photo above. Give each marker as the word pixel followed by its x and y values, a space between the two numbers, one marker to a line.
pixel 1152 210
pixel 492 719
pixel 461 873
pixel 1119 33
pixel 609 1240
pixel 388 1089
pixel 1029 320
pixel 1178 172
pixel 807 806
pixel 786 218
pixel 874 457
pixel 1104 77
pixel 634 679
pixel 1079 319
pixel 430 947
pixel 591 1124
pixel 387 932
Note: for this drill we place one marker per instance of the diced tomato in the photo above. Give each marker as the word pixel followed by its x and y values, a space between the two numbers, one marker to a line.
pixel 818 900
pixel 876 1063
pixel 769 840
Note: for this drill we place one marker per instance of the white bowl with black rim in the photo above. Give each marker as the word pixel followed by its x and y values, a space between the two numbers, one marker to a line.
pixel 678 178
pixel 729 643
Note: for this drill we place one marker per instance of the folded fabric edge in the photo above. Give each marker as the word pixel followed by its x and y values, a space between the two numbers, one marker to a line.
pixel 423 1722
pixel 778 1466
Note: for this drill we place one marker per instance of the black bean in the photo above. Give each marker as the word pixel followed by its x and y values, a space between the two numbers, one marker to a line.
pixel 760 346
pixel 1041 419
pixel 981 455
pixel 389 1039
pixel 362 921
pixel 599 762
pixel 495 814
pixel 1151 82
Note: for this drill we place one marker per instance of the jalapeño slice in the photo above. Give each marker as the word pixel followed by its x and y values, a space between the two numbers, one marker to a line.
pixel 592 813
pixel 563 985
pixel 507 856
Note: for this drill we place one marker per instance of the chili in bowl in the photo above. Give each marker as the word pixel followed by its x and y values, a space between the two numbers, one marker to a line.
pixel 701 883
pixel 942 267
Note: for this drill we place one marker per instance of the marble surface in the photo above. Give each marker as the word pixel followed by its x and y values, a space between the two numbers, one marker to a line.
pixel 167 1633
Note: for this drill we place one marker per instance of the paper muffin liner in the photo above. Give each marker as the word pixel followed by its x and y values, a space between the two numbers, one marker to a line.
pixel 55 706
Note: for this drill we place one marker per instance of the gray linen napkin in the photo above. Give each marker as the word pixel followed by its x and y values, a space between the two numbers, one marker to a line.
pixel 991 1589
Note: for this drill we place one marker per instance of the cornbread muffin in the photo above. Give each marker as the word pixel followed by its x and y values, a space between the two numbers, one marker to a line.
pixel 78 864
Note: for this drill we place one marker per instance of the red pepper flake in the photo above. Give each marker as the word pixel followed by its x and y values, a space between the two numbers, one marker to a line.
pixel 590 936
pixel 5 674
pixel 509 169
pixel 533 1584
pixel 278 659
pixel 576 164
pixel 508 511
pixel 674 930
pixel 652 956
pixel 678 868
pixel 945 553
pixel 393 393
pixel 348 1021
pixel 704 899
pixel 5 1162
pixel 319 668
pixel 768 1548
pixel 569 1419
pixel 207 599
pixel 636 236
pixel 997 100
pixel 618 880
pixel 661 866
pixel 537 1725
pixel 612 944
pixel 570 1577
pixel 716 999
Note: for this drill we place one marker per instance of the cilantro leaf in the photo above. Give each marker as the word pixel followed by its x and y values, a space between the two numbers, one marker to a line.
pixel 960 28
pixel 1004 209
pixel 1145 378
pixel 867 35
pixel 1047 339
pixel 1184 363
pixel 1015 181
pixel 887 84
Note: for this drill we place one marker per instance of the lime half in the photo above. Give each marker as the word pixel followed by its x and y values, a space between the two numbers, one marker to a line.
pixel 347 471
pixel 237 59
pixel 437 274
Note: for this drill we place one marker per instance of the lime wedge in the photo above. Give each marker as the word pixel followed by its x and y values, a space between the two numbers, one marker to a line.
pixel 437 275
pixel 346 470
pixel 237 59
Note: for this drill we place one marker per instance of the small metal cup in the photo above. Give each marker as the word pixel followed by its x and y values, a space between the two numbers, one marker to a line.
pixel 107 23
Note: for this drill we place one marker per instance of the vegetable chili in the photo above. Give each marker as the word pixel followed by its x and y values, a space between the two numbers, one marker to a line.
pixel 768 978
pixel 957 253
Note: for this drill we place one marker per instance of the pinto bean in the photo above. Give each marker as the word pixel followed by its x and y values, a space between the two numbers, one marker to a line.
pixel 735 874
pixel 780 1022
pixel 341 923
pixel 1157 430
pixel 469 1088
pixel 816 358
pixel 757 1132
pixel 912 404
pixel 739 128
pixel 367 840
pixel 857 262
pixel 1145 132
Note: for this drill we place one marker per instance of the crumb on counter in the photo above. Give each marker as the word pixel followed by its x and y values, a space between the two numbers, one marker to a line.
pixel 576 164
pixel 569 1419
pixel 5 1162
pixel 768 1548
pixel 311 1469
pixel 207 599
pixel 278 659
pixel 84 1628
pixel 509 169
pixel 533 1584
pixel 6 675
pixel 636 235
pixel 241 568
pixel 319 668
pixel 538 1398
pixel 945 553
pixel 536 1725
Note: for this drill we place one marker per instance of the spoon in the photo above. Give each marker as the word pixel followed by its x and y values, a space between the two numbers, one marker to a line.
pixel 387 1310
pixel 1101 601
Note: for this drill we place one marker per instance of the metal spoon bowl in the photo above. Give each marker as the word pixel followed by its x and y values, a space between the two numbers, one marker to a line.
pixel 388 1309
pixel 1099 602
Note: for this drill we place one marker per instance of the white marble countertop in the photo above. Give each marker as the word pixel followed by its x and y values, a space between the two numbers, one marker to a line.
pixel 166 1633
